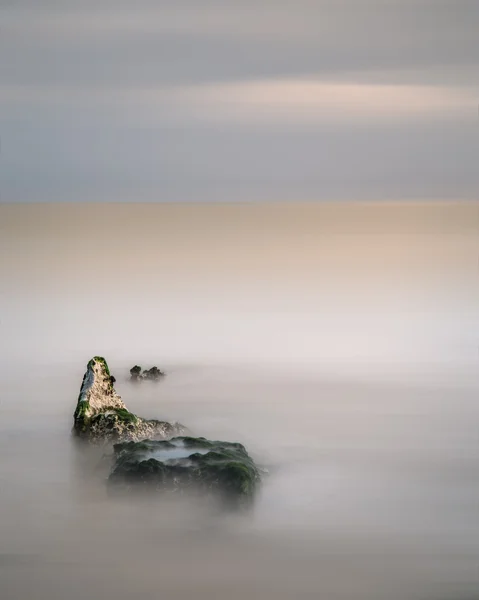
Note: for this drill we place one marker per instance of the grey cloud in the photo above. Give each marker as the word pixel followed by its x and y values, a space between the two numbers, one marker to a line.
pixel 205 163
pixel 197 42
pixel 67 133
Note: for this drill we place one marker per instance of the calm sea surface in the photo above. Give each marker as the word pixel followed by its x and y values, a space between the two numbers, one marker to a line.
pixel 337 342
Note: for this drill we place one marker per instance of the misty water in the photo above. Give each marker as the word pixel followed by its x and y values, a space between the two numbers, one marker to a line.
pixel 371 493
pixel 338 343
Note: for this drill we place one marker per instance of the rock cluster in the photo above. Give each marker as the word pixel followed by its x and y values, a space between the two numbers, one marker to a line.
pixel 156 455
pixel 136 373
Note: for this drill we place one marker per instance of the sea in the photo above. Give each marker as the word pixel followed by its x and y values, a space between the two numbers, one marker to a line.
pixel 338 343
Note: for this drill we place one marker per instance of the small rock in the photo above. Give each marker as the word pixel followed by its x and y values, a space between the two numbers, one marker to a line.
pixel 152 374
pixel 135 373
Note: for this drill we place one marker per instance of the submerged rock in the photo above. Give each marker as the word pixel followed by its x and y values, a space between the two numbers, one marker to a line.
pixel 152 374
pixel 135 373
pixel 101 414
pixel 186 464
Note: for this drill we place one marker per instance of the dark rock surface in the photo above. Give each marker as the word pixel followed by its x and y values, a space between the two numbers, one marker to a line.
pixel 135 373
pixel 186 465
pixel 152 374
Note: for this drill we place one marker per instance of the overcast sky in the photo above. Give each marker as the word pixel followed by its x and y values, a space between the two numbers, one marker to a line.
pixel 196 100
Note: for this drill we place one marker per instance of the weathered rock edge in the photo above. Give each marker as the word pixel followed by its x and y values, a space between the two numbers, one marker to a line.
pixel 102 416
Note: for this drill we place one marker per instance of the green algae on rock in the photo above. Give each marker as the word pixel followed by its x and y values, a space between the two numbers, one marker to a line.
pixel 101 415
pixel 186 464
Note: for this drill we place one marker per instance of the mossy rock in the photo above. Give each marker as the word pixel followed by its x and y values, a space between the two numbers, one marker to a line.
pixel 101 361
pixel 186 464
pixel 101 415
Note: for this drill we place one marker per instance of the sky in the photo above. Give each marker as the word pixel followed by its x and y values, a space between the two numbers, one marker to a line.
pixel 200 101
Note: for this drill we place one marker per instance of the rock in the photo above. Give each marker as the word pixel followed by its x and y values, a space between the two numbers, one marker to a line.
pixel 135 373
pixel 153 374
pixel 186 464
pixel 102 416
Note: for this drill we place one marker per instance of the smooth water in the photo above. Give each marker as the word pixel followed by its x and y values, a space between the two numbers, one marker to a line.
pixel 337 342
pixel 372 491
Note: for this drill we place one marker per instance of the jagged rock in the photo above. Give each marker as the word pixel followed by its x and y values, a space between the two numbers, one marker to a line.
pixel 153 374
pixel 186 464
pixel 102 416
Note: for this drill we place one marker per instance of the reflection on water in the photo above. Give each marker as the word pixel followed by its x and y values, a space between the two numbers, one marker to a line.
pixel 372 492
